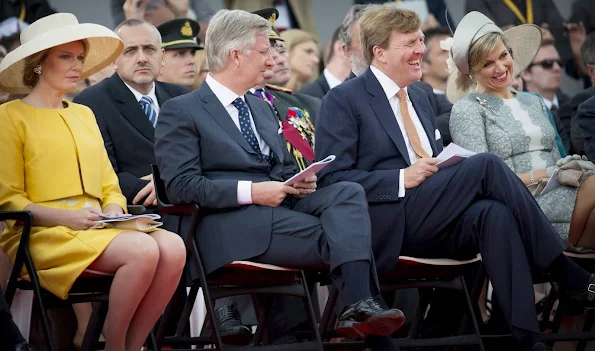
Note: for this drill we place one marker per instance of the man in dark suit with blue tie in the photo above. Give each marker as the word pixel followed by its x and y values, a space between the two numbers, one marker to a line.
pixel 383 132
pixel 126 106
pixel 222 149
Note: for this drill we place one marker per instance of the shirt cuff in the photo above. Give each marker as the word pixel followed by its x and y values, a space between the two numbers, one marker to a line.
pixel 244 192
pixel 401 183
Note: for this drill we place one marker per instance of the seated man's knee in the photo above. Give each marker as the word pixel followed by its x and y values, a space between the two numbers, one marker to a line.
pixel 351 189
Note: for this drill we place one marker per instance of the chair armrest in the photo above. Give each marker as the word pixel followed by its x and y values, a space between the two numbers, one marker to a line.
pixel 178 210
pixel 136 209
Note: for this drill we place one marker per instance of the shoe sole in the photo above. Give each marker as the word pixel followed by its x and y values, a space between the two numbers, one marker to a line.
pixel 380 325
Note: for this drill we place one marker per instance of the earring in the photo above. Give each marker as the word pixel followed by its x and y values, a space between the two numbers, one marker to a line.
pixel 37 69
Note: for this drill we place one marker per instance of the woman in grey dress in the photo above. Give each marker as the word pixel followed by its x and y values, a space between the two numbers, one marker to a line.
pixel 514 125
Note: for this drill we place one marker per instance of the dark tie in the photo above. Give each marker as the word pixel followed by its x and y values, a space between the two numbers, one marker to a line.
pixel 246 126
pixel 147 104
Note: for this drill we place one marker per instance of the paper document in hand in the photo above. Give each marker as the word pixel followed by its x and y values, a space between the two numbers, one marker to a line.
pixel 143 223
pixel 552 183
pixel 310 171
pixel 452 154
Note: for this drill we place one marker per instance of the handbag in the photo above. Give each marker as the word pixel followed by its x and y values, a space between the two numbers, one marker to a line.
pixel 537 187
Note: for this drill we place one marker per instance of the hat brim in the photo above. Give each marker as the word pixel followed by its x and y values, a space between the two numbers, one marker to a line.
pixel 524 40
pixel 103 47
pixel 182 44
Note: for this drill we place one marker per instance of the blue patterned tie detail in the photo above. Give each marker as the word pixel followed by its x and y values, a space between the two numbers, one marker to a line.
pixel 246 127
pixel 147 104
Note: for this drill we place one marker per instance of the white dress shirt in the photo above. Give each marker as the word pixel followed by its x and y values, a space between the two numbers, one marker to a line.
pixel 550 103
pixel 151 95
pixel 390 89
pixel 226 97
pixel 330 78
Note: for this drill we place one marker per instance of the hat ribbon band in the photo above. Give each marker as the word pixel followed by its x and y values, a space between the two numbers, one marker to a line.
pixel 175 42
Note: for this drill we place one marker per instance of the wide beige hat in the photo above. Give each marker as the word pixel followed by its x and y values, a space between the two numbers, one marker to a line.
pixel 103 47
pixel 524 41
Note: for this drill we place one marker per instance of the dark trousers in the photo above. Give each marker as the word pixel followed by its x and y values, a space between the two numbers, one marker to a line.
pixel 480 205
pixel 325 229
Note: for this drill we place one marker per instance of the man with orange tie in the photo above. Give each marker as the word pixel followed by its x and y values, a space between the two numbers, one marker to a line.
pixel 385 136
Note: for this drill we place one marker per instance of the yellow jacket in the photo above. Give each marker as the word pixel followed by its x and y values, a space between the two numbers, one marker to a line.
pixel 42 151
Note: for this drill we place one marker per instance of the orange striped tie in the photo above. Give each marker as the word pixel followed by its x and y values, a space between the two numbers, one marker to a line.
pixel 409 126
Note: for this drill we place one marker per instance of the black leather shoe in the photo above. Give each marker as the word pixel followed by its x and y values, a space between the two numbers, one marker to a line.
pixel 233 332
pixel 23 346
pixel 369 317
pixel 540 346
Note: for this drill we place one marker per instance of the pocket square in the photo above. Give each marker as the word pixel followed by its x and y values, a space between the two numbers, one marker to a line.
pixel 437 134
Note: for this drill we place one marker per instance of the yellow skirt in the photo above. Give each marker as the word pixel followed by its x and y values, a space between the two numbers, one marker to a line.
pixel 61 254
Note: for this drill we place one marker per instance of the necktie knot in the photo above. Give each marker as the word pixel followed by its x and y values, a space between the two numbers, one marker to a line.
pixel 239 104
pixel 402 95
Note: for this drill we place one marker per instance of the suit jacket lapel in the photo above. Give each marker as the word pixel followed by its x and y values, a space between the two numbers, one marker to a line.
pixel 130 108
pixel 422 113
pixel 264 125
pixel 324 84
pixel 222 117
pixel 162 94
pixel 385 114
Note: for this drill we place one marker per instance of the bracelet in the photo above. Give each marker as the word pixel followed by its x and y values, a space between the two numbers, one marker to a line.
pixel 531 177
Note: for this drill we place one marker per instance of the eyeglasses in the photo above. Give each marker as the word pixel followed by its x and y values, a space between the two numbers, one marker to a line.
pixel 547 64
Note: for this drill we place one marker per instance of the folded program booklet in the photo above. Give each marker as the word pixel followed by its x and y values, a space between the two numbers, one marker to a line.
pixel 453 154
pixel 143 223
pixel 310 170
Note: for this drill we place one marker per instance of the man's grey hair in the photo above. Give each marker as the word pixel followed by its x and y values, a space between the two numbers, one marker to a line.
pixel 346 32
pixel 135 22
pixel 232 30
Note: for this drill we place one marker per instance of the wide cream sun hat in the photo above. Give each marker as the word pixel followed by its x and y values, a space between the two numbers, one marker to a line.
pixel 103 47
pixel 524 41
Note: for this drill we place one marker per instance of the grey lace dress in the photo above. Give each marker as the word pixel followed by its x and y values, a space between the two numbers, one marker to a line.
pixel 519 131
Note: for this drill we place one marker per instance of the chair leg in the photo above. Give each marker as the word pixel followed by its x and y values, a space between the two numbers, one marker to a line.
pixel 329 309
pixel 586 328
pixel 311 315
pixel 151 342
pixel 190 300
pixel 475 293
pixel 472 312
pixel 45 320
pixel 425 295
pixel 170 314
pixel 210 305
pixel 264 309
pixel 95 325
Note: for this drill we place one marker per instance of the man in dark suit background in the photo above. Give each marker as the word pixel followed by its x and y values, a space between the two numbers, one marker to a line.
pixel 221 148
pixel 383 131
pixel 577 133
pixel 126 106
pixel 336 70
pixel 586 119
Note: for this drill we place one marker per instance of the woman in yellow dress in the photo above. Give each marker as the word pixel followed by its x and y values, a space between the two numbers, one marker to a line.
pixel 54 164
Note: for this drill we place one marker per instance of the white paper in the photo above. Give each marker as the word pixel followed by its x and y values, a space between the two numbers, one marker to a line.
pixel 552 183
pixel 102 223
pixel 453 154
pixel 310 171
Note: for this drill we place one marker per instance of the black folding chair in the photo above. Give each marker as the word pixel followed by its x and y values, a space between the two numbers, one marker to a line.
pixel 236 278
pixel 421 273
pixel 86 289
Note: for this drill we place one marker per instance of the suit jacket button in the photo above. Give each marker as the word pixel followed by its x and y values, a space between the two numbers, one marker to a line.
pixel 388 197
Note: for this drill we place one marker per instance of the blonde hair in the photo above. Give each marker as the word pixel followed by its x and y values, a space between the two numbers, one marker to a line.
pixel 295 37
pixel 292 38
pixel 201 63
pixel 30 78
pixel 478 52
pixel 377 23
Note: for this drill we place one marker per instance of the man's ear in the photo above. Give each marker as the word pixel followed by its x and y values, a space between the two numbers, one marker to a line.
pixel 346 51
pixel 379 54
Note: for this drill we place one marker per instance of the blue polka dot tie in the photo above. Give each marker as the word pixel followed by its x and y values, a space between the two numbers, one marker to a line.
pixel 147 104
pixel 246 127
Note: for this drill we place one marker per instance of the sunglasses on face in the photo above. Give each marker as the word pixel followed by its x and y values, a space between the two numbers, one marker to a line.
pixel 547 64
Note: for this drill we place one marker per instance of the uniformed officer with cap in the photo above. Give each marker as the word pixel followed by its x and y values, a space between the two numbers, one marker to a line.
pixel 296 113
pixel 180 44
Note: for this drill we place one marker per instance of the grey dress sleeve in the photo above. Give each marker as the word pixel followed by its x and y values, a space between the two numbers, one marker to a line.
pixel 467 127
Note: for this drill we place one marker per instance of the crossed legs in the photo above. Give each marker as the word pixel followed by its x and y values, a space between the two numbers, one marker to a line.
pixel 146 271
